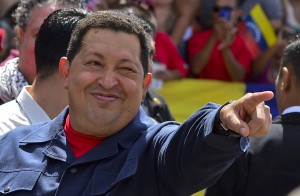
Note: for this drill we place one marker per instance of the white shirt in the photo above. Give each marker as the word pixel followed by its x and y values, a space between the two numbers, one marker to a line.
pixel 22 111
pixel 291 109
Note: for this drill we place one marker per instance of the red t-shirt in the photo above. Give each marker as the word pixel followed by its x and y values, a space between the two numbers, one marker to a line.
pixel 216 68
pixel 168 54
pixel 80 143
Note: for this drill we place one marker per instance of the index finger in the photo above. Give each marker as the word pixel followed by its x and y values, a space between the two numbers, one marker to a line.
pixel 255 99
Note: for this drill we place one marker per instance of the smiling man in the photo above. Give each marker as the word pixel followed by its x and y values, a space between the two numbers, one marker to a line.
pixel 108 75
pixel 105 144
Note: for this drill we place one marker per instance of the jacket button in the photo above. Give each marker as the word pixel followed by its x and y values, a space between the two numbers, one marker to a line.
pixel 6 188
pixel 73 170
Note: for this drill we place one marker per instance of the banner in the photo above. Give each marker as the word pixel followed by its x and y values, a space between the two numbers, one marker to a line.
pixel 187 95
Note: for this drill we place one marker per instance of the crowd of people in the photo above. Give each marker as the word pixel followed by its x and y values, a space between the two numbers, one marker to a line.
pixel 79 114
pixel 192 38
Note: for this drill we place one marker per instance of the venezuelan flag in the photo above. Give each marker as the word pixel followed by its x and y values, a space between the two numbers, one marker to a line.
pixel 187 95
pixel 260 28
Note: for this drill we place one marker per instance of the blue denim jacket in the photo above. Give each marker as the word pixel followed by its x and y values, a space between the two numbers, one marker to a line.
pixel 142 159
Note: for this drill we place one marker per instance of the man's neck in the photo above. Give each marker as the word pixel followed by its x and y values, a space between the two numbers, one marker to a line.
pixel 50 95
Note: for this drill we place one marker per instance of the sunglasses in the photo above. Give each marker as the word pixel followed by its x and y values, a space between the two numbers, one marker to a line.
pixel 219 8
pixel 224 12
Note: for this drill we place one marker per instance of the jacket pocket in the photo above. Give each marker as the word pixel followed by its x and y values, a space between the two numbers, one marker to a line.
pixel 11 181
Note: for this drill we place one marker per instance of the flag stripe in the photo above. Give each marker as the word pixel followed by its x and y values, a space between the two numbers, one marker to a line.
pixel 264 24
pixel 257 33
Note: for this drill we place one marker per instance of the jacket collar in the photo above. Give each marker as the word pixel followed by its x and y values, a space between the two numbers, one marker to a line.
pixel 48 131
pixel 124 138
pixel 289 118
pixel 53 131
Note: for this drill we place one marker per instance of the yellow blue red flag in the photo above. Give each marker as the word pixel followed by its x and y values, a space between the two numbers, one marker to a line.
pixel 260 28
pixel 185 96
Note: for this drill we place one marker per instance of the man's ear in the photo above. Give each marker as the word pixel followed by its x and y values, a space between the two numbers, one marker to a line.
pixel 147 81
pixel 21 35
pixel 64 69
pixel 286 79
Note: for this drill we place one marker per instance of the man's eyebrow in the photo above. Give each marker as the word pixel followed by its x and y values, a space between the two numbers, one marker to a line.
pixel 122 60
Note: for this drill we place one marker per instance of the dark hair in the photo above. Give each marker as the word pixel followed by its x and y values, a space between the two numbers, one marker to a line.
pixel 53 38
pixel 24 8
pixel 112 20
pixel 291 57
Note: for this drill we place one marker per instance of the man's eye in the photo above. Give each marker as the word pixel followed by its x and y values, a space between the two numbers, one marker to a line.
pixel 127 69
pixel 91 63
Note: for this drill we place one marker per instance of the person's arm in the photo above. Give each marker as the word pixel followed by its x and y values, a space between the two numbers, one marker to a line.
pixel 261 61
pixel 233 181
pixel 223 32
pixel 193 156
pixel 234 68
pixel 185 10
pixel 199 61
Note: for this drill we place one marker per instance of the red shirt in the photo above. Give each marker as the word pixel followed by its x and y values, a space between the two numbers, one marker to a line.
pixel 168 54
pixel 215 67
pixel 80 143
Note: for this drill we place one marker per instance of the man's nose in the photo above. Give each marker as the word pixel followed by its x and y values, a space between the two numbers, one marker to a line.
pixel 108 79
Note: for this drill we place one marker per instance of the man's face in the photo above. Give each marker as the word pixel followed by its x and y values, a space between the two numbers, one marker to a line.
pixel 105 82
pixel 27 39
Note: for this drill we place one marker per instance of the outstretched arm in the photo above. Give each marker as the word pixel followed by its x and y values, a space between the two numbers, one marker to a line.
pixel 193 156
pixel 186 10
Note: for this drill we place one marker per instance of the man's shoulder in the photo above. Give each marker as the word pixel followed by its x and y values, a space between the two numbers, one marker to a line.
pixel 11 80
pixel 19 133
pixel 7 105
pixel 272 140
pixel 13 145
pixel 10 66
pixel 9 69
pixel 37 132
pixel 11 116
